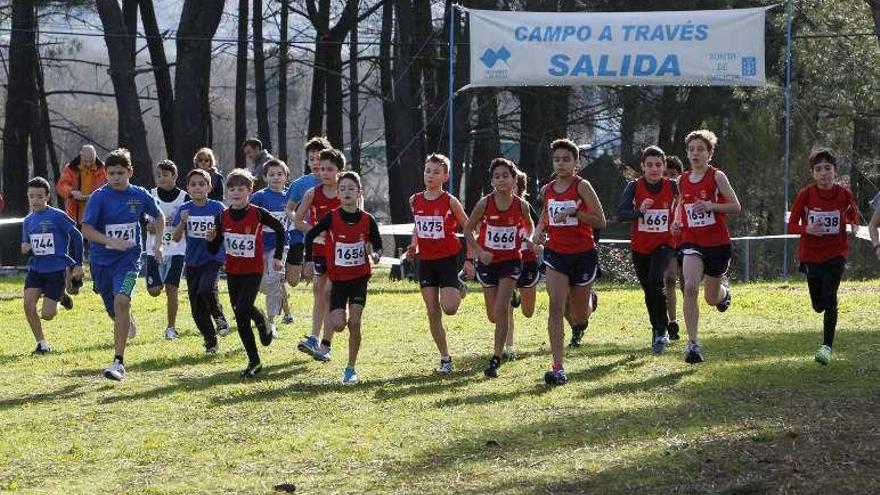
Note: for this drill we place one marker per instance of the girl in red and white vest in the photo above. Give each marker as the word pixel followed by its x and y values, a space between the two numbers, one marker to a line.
pixel 649 204
pixel 820 214
pixel 239 230
pixel 499 216
pixel 351 241
pixel 706 199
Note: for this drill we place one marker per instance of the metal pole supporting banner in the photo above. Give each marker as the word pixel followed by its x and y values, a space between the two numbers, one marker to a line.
pixel 787 132
pixel 450 104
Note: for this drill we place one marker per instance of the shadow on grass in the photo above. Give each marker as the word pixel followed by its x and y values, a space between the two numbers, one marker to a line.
pixel 67 392
pixel 737 401
pixel 270 373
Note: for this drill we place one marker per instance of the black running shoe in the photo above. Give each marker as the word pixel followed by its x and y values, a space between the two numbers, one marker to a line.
pixel 515 299
pixel 41 350
pixel 492 370
pixel 694 354
pixel 672 328
pixel 724 304
pixel 577 334
pixel 594 299
pixel 66 302
pixel 251 370
pixel 556 377
pixel 264 330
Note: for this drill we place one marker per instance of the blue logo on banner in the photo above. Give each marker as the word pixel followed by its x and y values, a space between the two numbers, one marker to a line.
pixel 491 57
pixel 749 67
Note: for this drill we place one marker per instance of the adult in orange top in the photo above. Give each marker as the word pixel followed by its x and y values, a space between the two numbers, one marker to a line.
pixel 80 178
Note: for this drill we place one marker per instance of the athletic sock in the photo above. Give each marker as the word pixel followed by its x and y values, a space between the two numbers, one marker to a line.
pixel 118 358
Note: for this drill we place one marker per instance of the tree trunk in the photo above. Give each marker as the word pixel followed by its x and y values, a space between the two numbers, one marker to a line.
pixel 161 72
pixel 543 118
pixel 666 118
pixel 334 101
pixel 282 83
pixel 241 64
pixel 132 132
pixel 20 105
pixel 46 125
pixel 630 120
pixel 260 78
pixel 386 84
pixel 874 5
pixel 487 145
pixel 425 64
pixel 405 170
pixel 192 78
pixel 319 89
pixel 354 109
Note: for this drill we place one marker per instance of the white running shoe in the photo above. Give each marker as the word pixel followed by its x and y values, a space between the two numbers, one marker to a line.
pixel 171 333
pixel 115 371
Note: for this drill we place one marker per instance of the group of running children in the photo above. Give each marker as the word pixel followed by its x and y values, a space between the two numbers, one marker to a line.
pixel 317 227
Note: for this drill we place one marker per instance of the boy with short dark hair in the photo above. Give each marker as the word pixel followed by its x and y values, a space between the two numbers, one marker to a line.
pixel 112 225
pixel 49 235
pixel 166 274
pixel 194 218
pixel 295 194
pixel 239 229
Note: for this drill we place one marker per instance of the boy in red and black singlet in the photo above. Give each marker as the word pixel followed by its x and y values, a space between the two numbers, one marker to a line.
pixel 436 215
pixel 649 203
pixel 672 275
pixel 351 240
pixel 570 213
pixel 315 205
pixel 706 199
pixel 239 229
pixel 499 216
pixel 820 214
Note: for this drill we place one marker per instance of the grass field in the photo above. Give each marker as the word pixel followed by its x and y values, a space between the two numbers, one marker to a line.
pixel 758 417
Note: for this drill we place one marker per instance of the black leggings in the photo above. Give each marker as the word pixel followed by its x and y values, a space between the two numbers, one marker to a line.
pixel 650 269
pixel 201 284
pixel 243 291
pixel 823 280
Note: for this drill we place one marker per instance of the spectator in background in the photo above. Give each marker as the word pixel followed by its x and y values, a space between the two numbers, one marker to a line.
pixel 79 179
pixel 256 156
pixel 205 160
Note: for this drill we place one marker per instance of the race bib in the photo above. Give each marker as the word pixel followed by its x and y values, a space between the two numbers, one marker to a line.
pixel 500 238
pixel 42 244
pixel 197 227
pixel 554 207
pixel 350 254
pixel 429 227
pixel 828 220
pixel 240 245
pixel 694 219
pixel 654 221
pixel 281 217
pixel 167 237
pixel 121 231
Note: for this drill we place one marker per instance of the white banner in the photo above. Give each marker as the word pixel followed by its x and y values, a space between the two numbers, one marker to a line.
pixel 707 47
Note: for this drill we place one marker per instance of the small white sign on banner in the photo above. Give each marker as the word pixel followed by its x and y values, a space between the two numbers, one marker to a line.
pixel 681 48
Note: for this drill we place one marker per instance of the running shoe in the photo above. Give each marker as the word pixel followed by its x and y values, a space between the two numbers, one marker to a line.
pixel 115 371
pixel 445 367
pixel 594 300
pixel 322 356
pixel 659 344
pixel 171 333
pixel 309 345
pixel 41 350
pixel 556 377
pixel 693 355
pixel 66 302
pixel 266 332
pixel 287 320
pixel 577 334
pixel 672 330
pixel 725 303
pixel 492 369
pixel 515 299
pixel 509 354
pixel 213 348
pixel 222 326
pixel 251 370
pixel 823 356
pixel 349 376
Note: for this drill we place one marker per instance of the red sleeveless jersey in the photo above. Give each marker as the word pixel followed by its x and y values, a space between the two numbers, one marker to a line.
pixel 651 230
pixel 832 210
pixel 569 236
pixel 243 242
pixel 321 205
pixel 499 230
pixel 347 257
pixel 435 227
pixel 709 228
